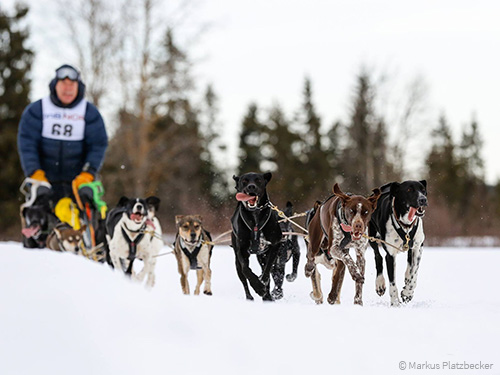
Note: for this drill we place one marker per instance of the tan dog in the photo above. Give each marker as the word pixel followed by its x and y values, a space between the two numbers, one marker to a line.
pixel 64 238
pixel 193 252
pixel 338 225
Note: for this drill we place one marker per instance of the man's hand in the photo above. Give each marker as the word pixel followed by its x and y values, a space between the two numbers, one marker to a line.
pixel 82 178
pixel 39 175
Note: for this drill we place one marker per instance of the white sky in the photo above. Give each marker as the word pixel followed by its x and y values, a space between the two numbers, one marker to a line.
pixel 261 50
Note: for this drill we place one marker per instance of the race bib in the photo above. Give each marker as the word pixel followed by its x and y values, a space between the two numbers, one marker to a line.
pixel 65 124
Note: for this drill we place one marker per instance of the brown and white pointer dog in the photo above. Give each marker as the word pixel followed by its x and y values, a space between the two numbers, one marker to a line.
pixel 338 225
pixel 193 251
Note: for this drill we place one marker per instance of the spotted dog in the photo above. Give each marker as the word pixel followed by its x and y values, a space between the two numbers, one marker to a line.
pixel 193 251
pixel 398 221
pixel 338 224
pixel 255 230
pixel 133 232
pixel 64 238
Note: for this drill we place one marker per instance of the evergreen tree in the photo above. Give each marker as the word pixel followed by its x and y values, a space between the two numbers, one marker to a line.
pixel 159 143
pixel 251 139
pixel 214 149
pixel 333 150
pixel 315 175
pixel 472 191
pixel 15 84
pixel 444 171
pixel 278 151
pixel 358 155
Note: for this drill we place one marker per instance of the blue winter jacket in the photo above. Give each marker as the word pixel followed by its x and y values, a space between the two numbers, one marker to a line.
pixel 61 160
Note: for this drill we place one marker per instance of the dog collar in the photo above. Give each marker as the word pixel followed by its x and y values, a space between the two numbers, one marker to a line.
pixel 342 220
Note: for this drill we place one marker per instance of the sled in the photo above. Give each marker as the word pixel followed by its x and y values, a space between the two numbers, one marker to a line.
pixel 93 211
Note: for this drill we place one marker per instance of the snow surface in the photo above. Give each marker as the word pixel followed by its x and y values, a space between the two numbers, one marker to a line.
pixel 63 314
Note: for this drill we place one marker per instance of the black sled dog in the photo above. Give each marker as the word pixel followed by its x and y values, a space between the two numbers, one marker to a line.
pixel 255 230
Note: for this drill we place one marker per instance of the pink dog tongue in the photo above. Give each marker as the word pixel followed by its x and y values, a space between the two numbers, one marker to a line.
pixel 150 223
pixel 412 213
pixel 30 232
pixel 345 227
pixel 136 216
pixel 242 197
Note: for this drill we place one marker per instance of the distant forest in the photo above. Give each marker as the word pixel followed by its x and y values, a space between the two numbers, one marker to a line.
pixel 169 145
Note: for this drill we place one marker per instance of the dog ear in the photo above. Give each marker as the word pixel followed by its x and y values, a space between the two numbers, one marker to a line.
pixel 317 204
pixel 122 202
pixel 394 188
pixel 58 233
pixel 374 197
pixel 83 228
pixel 424 182
pixel 198 217
pixel 339 193
pixel 178 219
pixel 153 201
pixel 268 176
pixel 237 179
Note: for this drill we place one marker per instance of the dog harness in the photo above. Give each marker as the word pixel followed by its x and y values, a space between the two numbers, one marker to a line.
pixel 192 255
pixel 339 214
pixel 132 246
pixel 407 237
pixel 255 242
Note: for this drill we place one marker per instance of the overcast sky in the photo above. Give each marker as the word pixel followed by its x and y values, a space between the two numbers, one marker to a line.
pixel 261 50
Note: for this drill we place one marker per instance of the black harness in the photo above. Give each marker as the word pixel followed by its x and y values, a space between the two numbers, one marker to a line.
pixel 255 241
pixel 132 246
pixel 192 255
pixel 407 237
pixel 339 214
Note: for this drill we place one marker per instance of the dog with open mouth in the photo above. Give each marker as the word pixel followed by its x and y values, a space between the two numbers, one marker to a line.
pixel 398 222
pixel 134 232
pixel 255 230
pixel 37 222
pixel 338 224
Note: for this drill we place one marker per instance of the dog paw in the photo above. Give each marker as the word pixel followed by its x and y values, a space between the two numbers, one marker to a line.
pixel 330 300
pixel 358 301
pixel 406 296
pixel 277 294
pixel 318 301
pixel 207 292
pixel 291 277
pixel 267 297
pixel 309 268
pixel 249 297
pixel 380 285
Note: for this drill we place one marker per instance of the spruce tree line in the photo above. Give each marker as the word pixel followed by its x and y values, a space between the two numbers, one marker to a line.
pixel 169 145
pixel 15 65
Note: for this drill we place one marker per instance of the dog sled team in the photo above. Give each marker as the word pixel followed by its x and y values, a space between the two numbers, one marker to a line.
pixel 391 217
pixel 62 142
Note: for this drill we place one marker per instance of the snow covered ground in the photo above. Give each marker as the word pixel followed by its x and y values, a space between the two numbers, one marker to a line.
pixel 63 314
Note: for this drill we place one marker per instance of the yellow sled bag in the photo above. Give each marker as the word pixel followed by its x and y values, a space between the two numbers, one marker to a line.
pixel 67 212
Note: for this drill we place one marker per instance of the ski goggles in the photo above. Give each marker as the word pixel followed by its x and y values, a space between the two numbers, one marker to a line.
pixel 69 73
